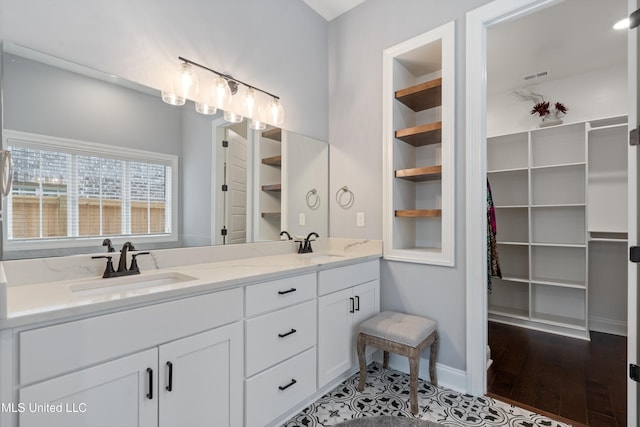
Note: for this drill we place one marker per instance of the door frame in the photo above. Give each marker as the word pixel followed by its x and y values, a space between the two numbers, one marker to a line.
pixel 478 20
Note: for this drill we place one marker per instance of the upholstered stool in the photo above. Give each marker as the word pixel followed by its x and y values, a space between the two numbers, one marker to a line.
pixel 401 334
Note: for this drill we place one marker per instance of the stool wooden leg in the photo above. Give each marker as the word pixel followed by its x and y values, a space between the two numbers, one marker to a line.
pixel 414 366
pixel 362 361
pixel 385 359
pixel 432 359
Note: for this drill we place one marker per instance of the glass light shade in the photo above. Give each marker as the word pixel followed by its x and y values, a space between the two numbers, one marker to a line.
pixel 186 83
pixel 257 125
pixel 221 92
pixel 249 103
pixel 232 117
pixel 206 109
pixel 621 24
pixel 172 99
pixel 276 112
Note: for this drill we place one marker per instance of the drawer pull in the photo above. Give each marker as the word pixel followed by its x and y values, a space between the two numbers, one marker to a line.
pixel 169 386
pixel 284 387
pixel 150 374
pixel 357 303
pixel 287 292
pixel 351 301
pixel 292 331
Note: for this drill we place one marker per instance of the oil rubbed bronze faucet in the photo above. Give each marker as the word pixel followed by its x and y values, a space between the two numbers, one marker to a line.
pixel 122 264
pixel 305 245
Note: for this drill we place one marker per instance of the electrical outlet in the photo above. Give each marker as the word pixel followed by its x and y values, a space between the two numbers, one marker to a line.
pixel 360 219
pixel 302 219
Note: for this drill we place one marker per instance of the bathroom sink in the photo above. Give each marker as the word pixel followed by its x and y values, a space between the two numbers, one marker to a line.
pixel 132 285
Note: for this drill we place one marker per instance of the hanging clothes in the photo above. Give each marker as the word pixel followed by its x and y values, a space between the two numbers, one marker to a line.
pixel 493 263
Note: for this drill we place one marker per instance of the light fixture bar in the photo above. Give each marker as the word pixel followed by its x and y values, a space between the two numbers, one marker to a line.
pixel 226 76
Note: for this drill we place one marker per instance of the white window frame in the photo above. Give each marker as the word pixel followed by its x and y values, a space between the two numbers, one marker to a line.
pixel 46 142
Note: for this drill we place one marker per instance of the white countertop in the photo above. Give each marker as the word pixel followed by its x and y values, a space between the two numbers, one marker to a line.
pixel 54 300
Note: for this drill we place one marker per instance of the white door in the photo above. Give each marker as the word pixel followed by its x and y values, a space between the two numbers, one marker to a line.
pixel 201 379
pixel 335 312
pixel 119 393
pixel 633 326
pixel 236 196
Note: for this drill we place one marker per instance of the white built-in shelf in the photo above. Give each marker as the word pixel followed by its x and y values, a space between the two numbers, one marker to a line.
pixel 418 138
pixel 505 310
pixel 515 278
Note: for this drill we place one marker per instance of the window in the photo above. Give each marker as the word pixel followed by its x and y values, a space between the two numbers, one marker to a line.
pixel 71 193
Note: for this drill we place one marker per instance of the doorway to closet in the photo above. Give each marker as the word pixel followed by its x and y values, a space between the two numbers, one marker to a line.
pixel 559 189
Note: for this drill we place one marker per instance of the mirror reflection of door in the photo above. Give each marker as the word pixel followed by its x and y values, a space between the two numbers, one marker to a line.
pixel 235 212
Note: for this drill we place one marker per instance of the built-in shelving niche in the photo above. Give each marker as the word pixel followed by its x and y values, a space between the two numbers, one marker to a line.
pixel 418 149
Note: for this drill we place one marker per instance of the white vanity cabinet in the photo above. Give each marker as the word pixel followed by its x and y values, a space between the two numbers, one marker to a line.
pixel 280 352
pixel 173 373
pixel 347 296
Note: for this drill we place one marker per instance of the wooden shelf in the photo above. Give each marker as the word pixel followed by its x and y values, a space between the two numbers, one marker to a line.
pixel 272 187
pixel 268 215
pixel 275 134
pixel 422 96
pixel 272 161
pixel 430 173
pixel 419 213
pixel 419 136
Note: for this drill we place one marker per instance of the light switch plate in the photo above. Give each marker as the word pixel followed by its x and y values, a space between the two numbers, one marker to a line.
pixel 302 219
pixel 360 219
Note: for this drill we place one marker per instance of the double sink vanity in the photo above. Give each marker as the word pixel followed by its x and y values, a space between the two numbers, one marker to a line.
pixel 240 335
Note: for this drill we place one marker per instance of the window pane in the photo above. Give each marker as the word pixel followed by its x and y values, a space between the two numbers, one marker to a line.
pixel 157 198
pixel 111 184
pixel 39 194
pixel 139 181
pixel 88 196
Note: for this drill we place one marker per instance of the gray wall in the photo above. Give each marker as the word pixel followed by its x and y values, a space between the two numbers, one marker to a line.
pixel 277 45
pixel 356 42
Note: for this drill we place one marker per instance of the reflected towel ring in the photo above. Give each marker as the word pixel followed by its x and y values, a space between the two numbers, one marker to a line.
pixel 313 199
pixel 340 197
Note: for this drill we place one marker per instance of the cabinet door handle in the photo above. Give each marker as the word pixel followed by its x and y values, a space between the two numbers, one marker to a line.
pixel 292 331
pixel 287 292
pixel 357 303
pixel 150 375
pixel 169 386
pixel 284 387
pixel 352 309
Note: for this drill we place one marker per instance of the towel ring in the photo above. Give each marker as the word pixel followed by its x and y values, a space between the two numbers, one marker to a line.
pixel 313 199
pixel 341 199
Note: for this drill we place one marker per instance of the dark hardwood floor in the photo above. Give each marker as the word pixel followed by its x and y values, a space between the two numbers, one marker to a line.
pixel 575 379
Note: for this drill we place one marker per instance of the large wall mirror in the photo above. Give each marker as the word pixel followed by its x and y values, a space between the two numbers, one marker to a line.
pixel 96 156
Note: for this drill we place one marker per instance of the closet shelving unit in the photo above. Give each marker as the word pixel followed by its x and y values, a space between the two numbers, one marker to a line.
pixel 418 149
pixel 548 202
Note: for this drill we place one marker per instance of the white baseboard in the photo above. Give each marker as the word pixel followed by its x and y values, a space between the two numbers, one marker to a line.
pixel 448 377
pixel 608 326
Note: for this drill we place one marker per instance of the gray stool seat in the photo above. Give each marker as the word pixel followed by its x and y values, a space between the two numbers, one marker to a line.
pixel 402 334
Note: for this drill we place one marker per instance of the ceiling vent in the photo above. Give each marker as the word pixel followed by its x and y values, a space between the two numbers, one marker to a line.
pixel 534 77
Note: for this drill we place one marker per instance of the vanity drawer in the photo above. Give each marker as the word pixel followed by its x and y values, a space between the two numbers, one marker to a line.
pixel 276 336
pixel 276 294
pixel 275 391
pixel 340 278
pixel 54 350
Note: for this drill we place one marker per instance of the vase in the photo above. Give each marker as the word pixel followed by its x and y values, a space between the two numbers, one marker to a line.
pixel 551 119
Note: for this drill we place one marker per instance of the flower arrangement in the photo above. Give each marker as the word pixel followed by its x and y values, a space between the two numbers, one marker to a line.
pixel 544 109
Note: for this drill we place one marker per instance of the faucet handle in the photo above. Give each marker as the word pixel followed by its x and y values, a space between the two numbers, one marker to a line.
pixel 108 244
pixel 134 264
pixel 108 271
pixel 301 246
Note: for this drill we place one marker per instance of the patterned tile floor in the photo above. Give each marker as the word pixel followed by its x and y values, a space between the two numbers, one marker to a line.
pixel 387 393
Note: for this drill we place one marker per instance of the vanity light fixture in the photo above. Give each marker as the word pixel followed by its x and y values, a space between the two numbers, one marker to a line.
pixel 220 96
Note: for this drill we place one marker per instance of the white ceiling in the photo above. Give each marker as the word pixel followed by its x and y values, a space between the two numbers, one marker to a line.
pixel 330 9
pixel 570 38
